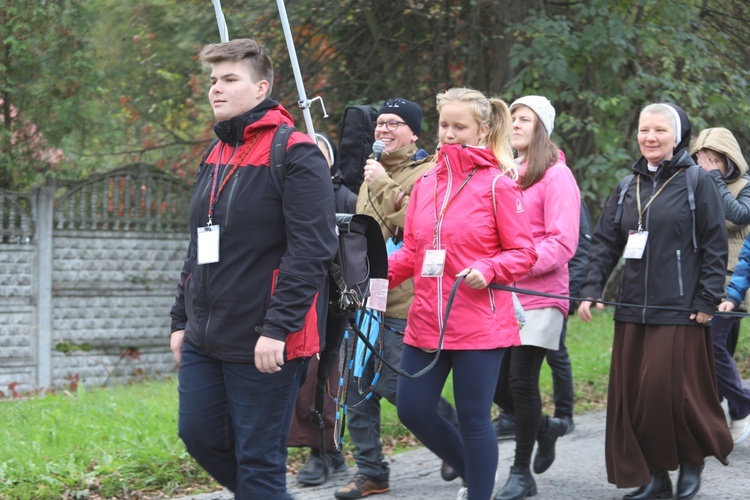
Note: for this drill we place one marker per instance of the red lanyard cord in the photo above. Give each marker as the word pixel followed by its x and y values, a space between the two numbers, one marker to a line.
pixel 214 192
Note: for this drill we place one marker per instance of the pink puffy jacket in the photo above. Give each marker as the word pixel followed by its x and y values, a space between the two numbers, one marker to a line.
pixel 496 241
pixel 554 206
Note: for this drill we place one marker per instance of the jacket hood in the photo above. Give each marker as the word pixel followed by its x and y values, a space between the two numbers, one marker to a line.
pixel 722 141
pixel 235 131
pixel 466 158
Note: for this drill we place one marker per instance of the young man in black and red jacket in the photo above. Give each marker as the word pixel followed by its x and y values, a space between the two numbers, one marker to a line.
pixel 251 299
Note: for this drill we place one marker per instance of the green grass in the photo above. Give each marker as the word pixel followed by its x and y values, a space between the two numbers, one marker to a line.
pixel 109 441
pixel 590 347
pixel 122 441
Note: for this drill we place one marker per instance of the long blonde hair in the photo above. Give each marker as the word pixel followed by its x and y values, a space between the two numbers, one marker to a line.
pixel 494 113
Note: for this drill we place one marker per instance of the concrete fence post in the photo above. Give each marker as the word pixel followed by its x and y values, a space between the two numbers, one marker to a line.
pixel 44 228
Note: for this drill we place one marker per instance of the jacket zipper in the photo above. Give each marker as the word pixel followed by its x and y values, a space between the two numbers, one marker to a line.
pixel 204 270
pixel 437 244
pixel 235 181
pixel 679 271
pixel 208 185
pixel 208 305
pixel 492 300
pixel 206 266
pixel 645 281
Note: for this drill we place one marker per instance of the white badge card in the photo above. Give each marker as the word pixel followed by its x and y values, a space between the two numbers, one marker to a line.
pixel 378 294
pixel 636 244
pixel 208 245
pixel 434 263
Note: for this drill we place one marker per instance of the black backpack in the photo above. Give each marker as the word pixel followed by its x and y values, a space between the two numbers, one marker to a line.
pixel 355 144
pixel 361 256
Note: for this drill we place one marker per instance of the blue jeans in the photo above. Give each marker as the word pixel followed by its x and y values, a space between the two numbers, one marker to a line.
pixel 234 421
pixel 728 377
pixel 363 422
pixel 473 451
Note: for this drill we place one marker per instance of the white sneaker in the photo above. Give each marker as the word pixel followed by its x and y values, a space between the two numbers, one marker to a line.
pixel 740 429
pixel 463 493
pixel 725 407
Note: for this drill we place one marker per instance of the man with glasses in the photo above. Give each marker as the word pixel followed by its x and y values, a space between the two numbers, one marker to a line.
pixel 384 195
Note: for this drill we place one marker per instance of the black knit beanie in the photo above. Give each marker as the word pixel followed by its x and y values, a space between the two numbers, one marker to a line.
pixel 409 111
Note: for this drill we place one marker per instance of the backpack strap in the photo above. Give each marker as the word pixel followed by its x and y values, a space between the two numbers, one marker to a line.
pixel 691 178
pixel 624 185
pixel 340 195
pixel 277 160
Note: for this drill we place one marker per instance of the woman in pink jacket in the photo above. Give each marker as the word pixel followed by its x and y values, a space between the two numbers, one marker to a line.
pixel 465 219
pixel 552 202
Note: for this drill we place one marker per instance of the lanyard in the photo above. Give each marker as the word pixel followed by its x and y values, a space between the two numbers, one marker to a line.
pixel 214 192
pixel 653 197
pixel 447 200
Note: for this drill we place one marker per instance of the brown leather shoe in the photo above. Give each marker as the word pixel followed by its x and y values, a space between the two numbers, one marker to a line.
pixel 361 486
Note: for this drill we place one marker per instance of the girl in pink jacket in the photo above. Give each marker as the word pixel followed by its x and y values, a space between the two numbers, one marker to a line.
pixel 466 220
pixel 553 204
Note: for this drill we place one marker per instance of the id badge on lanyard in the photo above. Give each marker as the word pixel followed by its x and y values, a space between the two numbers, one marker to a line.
pixel 434 263
pixel 636 244
pixel 208 244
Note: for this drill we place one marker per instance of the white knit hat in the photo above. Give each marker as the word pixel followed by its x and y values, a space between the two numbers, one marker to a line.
pixel 541 106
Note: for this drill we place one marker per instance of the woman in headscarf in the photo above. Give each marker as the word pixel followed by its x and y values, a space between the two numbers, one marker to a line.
pixel 663 410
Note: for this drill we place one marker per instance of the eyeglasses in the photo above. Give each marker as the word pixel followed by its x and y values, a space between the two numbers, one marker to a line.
pixel 391 125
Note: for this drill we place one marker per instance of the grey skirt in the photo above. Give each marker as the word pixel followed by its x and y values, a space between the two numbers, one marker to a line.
pixel 543 328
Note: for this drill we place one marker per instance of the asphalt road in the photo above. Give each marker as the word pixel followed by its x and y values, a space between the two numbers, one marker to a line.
pixel 578 473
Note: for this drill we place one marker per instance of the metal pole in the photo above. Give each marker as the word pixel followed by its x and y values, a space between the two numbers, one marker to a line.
pixel 303 102
pixel 223 32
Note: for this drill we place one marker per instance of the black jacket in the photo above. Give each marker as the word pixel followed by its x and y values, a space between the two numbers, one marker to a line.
pixel 670 273
pixel 577 265
pixel 265 242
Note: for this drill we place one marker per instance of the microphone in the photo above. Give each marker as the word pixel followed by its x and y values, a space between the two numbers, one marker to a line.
pixel 377 149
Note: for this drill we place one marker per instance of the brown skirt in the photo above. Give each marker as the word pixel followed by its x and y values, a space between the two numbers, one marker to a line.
pixel 302 431
pixel 662 408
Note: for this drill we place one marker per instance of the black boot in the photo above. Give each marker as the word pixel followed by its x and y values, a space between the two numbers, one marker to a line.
pixel 315 471
pixel 689 481
pixel 505 427
pixel 520 485
pixel 659 487
pixel 545 451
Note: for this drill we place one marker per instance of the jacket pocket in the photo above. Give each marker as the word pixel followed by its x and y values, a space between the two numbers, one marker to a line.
pixel 303 343
pixel 679 272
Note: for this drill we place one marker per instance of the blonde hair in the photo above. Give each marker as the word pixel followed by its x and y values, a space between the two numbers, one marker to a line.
pixel 494 113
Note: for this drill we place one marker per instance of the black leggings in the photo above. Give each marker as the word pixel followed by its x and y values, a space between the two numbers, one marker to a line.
pixel 517 393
